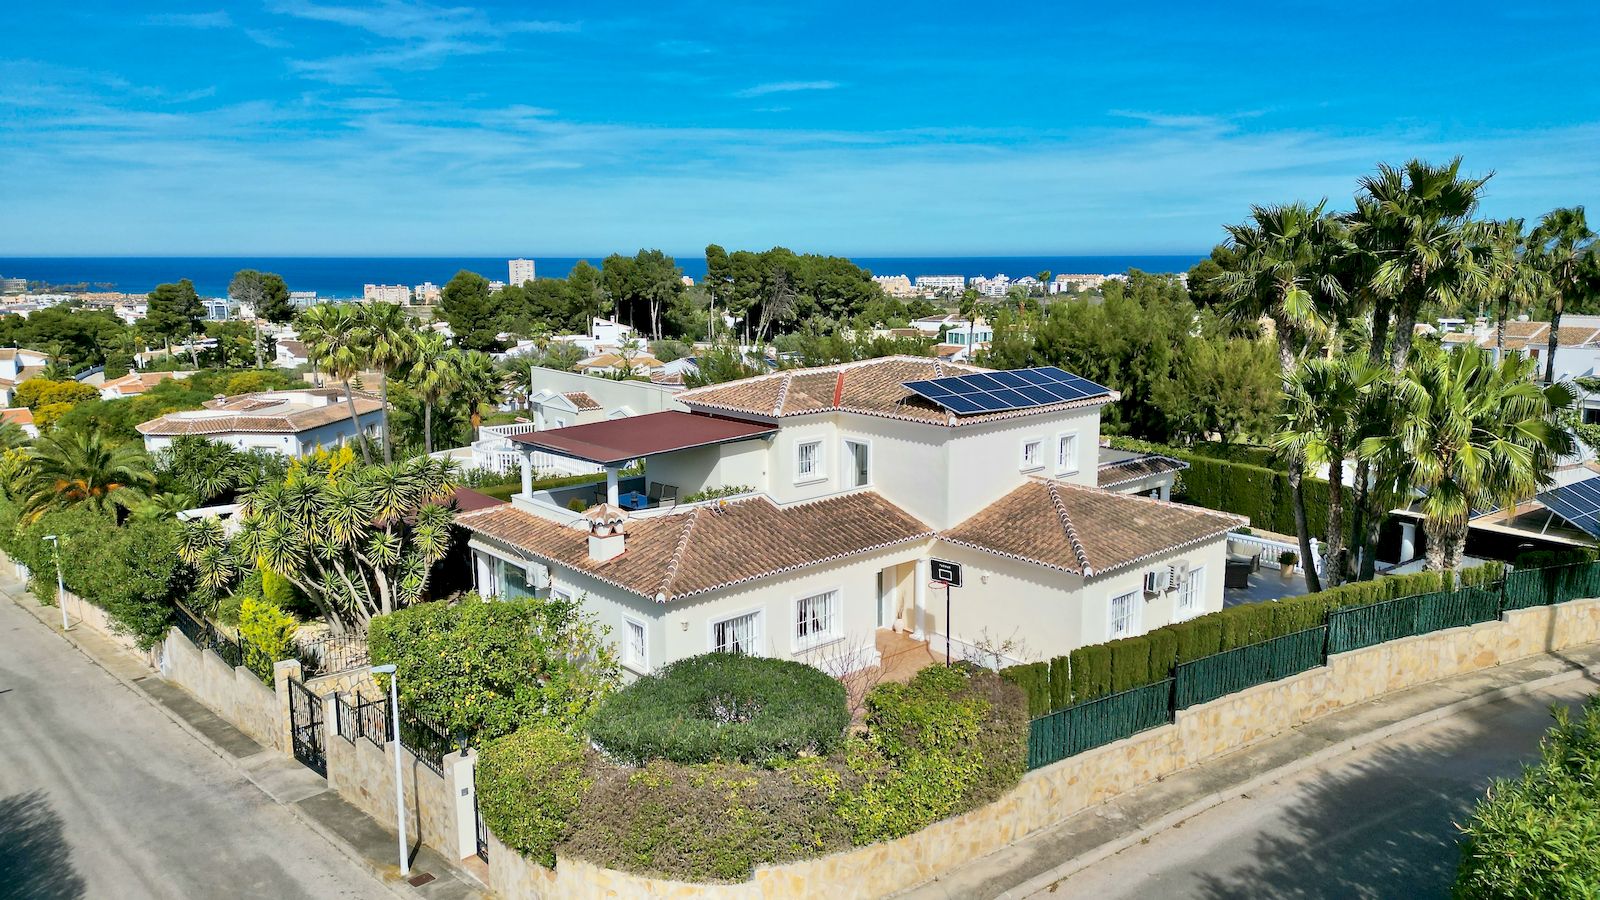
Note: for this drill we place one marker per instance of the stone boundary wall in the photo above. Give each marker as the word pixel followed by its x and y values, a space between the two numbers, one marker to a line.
pixel 235 694
pixel 1051 794
pixel 363 774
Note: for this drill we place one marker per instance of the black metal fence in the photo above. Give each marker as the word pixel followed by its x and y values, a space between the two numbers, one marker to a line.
pixel 359 717
pixel 345 723
pixel 333 653
pixel 204 635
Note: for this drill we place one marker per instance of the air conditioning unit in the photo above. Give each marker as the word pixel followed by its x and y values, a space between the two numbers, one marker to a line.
pixel 538 575
pixel 1179 571
pixel 1154 580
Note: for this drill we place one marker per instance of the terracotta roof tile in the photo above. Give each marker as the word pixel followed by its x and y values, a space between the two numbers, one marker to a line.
pixel 17 415
pixel 581 400
pixel 1085 530
pixel 1123 471
pixel 244 413
pixel 679 555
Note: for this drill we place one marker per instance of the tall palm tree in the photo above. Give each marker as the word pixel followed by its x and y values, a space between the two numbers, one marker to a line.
pixel 1413 219
pixel 391 339
pixel 334 338
pixel 477 382
pixel 433 376
pixel 1323 405
pixel 71 468
pixel 1510 281
pixel 1471 432
pixel 1563 248
pixel 1283 267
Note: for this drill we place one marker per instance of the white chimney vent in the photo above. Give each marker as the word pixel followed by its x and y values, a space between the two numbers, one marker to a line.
pixel 607 538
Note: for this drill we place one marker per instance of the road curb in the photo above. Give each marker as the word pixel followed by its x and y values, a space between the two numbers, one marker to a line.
pixel 1334 750
pixel 389 879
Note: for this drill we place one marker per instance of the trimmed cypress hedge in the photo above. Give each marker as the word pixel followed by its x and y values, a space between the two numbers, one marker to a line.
pixel 1100 669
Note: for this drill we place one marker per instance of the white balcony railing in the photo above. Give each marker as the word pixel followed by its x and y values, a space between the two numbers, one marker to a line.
pixel 1266 550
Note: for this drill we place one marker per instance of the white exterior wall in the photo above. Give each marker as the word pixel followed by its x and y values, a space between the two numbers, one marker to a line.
pixel 637 397
pixel 985 460
pixel 907 463
pixel 781 460
pixel 741 462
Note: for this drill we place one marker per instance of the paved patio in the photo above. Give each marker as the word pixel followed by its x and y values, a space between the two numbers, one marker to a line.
pixel 1266 584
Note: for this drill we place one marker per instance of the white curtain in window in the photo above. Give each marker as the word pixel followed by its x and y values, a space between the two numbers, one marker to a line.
pixel 814 616
pixel 736 635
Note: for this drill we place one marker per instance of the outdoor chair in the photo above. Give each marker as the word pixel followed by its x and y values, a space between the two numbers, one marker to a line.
pixel 661 494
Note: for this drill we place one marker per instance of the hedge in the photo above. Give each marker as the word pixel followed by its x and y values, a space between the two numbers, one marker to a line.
pixel 1101 669
pixel 529 784
pixel 724 707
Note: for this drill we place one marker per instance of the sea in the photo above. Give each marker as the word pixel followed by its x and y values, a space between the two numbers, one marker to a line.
pixel 336 277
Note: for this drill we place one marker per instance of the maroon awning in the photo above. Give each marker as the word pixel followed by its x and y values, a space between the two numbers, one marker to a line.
pixel 617 441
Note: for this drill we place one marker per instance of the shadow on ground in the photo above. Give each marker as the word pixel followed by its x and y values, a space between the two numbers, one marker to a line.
pixel 1386 826
pixel 35 861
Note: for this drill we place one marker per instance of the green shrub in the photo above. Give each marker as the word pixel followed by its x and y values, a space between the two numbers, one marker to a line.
pixel 1541 559
pixel 1130 663
pixel 708 823
pixel 725 707
pixel 1487 573
pixel 488 668
pixel 1034 679
pixel 530 784
pixel 1163 653
pixel 1539 835
pixel 267 635
pixel 1198 637
pixel 1091 672
pixel 949 740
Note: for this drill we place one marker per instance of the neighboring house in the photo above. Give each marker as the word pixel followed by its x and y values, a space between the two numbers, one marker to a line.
pixel 553 410
pixel 930 325
pixel 22 417
pixel 293 423
pixel 611 362
pixel 291 353
pixel 1132 472
pixel 135 383
pixel 16 366
pixel 857 476
pixel 609 332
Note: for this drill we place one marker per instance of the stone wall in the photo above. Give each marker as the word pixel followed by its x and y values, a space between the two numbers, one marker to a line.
pixel 1047 796
pixel 363 774
pixel 235 694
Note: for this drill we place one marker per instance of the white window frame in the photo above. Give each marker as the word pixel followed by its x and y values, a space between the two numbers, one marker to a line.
pixel 760 630
pixel 1154 581
pixel 818 469
pixel 1135 601
pixel 1038 457
pixel 559 594
pixel 1191 599
pixel 1069 466
pixel 835 626
pixel 641 662
pixel 848 456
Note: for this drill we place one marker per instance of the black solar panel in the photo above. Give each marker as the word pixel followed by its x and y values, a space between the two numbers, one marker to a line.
pixel 1578 503
pixel 987 392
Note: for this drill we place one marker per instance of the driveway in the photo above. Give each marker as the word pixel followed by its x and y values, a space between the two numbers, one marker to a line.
pixel 102 796
pixel 1378 822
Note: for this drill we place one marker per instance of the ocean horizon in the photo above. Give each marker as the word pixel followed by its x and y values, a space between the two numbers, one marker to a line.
pixel 337 277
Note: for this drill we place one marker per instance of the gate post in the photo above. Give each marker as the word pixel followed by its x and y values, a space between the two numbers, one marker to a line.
pixel 459 771
pixel 284 671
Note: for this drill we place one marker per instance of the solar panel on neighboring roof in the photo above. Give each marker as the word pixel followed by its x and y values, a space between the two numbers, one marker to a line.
pixel 988 392
pixel 1578 503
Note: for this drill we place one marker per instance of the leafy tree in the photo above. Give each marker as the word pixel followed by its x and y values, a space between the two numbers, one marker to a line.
pixel 472 315
pixel 334 336
pixel 477 382
pixel 588 298
pixel 1562 248
pixel 76 339
pixel 1511 281
pixel 268 296
pixel 37 392
pixel 391 342
pixel 72 468
pixel 1204 285
pixel 358 541
pixel 173 312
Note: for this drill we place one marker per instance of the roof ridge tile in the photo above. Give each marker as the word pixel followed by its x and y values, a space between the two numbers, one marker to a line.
pixel 1070 529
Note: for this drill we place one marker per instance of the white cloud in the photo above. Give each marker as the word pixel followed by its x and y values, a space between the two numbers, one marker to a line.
pixel 784 87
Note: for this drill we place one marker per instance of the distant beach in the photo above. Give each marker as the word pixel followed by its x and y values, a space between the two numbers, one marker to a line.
pixel 338 277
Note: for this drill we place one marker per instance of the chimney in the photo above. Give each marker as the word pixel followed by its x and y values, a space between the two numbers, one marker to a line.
pixel 606 537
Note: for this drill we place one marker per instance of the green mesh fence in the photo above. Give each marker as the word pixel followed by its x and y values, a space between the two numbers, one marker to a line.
pixel 1084 726
pixel 1210 677
pixel 1362 626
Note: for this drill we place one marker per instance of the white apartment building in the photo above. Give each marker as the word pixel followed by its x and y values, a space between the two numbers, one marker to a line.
pixel 843 486
pixel 953 284
pixel 895 285
pixel 521 270
pixel 992 287
pixel 426 292
pixel 1076 283
pixel 386 293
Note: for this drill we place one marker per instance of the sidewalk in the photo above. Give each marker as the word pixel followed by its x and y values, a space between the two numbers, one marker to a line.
pixel 1038 864
pixel 290 784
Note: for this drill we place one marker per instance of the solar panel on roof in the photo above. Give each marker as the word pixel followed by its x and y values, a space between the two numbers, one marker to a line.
pixel 1578 503
pixel 987 392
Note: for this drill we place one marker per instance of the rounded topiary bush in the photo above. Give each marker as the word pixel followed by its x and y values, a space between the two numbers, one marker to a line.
pixel 724 706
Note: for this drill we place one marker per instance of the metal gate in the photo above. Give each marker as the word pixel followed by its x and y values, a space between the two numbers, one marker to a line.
pixel 305 727
pixel 477 814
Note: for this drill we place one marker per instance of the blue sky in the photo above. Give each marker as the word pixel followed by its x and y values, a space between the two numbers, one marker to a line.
pixel 407 128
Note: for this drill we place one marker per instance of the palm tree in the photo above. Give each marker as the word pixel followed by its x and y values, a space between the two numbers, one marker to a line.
pixel 1471 432
pixel 1284 267
pixel 391 340
pixel 433 375
pixel 71 468
pixel 1324 401
pixel 477 383
pixel 1510 281
pixel 336 341
pixel 1563 248
pixel 1413 220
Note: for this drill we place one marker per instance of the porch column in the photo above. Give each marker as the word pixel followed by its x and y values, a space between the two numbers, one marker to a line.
pixel 920 630
pixel 525 461
pixel 611 485
pixel 1408 541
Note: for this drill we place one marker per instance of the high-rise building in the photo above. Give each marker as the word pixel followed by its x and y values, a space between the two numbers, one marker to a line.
pixel 386 293
pixel 521 271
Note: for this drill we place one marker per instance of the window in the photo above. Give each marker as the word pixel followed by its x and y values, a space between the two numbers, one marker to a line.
pixel 816 619
pixel 808 461
pixel 1124 615
pixel 1030 453
pixel 1153 581
pixel 514 581
pixel 1066 453
pixel 737 634
pixel 558 594
pixel 1192 594
pixel 859 455
pixel 635 652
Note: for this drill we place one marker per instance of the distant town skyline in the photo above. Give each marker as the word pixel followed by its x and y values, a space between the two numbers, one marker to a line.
pixel 296 127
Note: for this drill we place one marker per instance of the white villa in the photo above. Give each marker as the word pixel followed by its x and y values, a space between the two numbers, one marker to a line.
pixel 16 366
pixel 842 486
pixel 293 423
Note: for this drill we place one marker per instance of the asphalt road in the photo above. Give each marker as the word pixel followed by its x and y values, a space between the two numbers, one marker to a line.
pixel 102 796
pixel 1378 822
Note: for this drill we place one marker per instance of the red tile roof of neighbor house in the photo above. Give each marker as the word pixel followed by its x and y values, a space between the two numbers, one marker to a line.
pixel 1085 530
pixel 465 500
pixel 261 413
pixel 139 382
pixel 680 555
pixel 581 400
pixel 17 415
pixel 874 387
pixel 1122 471
pixel 619 440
